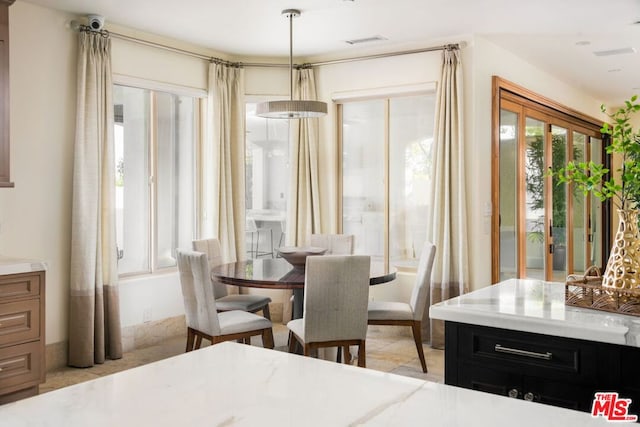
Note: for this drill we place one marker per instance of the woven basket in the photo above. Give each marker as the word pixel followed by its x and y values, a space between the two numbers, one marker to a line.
pixel 587 292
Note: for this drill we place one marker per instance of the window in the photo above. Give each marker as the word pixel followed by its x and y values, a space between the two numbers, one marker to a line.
pixel 386 164
pixel 266 181
pixel 155 139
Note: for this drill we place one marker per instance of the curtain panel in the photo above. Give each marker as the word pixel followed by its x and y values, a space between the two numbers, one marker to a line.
pixel 447 226
pixel 94 312
pixel 224 157
pixel 303 210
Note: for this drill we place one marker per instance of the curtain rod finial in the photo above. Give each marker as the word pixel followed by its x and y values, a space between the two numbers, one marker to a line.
pixel 74 25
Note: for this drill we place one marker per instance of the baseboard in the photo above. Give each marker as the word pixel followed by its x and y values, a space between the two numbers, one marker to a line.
pixel 140 336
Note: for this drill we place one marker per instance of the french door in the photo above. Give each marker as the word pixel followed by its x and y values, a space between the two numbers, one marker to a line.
pixel 545 230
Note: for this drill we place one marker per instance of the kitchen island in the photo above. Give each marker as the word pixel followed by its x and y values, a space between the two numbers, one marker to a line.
pixel 518 339
pixel 236 384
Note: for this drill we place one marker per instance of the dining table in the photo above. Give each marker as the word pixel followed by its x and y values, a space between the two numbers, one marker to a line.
pixel 277 273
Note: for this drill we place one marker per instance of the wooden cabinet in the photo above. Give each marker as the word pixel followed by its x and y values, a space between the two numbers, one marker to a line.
pixel 22 361
pixel 5 180
pixel 539 368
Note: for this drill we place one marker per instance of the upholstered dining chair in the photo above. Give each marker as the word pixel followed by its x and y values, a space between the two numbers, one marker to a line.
pixel 335 305
pixel 224 301
pixel 336 244
pixel 203 319
pixel 409 314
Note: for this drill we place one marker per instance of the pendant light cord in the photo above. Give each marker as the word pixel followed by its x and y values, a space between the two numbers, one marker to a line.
pixel 291 56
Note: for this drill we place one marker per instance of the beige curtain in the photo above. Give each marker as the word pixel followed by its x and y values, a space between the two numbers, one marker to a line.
pixel 303 210
pixel 447 227
pixel 94 312
pixel 224 161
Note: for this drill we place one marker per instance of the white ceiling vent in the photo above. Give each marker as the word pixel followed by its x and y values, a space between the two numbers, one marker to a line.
pixel 366 40
pixel 612 52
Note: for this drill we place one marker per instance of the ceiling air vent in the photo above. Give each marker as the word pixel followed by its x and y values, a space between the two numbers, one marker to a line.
pixel 612 52
pixel 366 40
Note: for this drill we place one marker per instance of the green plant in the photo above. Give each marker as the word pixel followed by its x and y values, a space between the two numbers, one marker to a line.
pixel 535 177
pixel 590 177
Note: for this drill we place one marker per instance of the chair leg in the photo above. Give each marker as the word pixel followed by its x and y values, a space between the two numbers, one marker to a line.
pixel 267 338
pixel 198 341
pixel 292 342
pixel 347 355
pixel 190 338
pixel 265 312
pixel 307 350
pixel 417 337
pixel 362 359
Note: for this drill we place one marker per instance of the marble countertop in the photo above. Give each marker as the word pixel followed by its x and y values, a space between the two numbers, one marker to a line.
pixel 235 384
pixel 538 307
pixel 9 265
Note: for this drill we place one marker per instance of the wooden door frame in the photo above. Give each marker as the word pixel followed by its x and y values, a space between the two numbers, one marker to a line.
pixel 504 88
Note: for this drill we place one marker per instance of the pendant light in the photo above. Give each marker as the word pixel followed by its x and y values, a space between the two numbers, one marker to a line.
pixel 291 109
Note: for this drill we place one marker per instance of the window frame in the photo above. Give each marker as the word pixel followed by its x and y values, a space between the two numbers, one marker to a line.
pixel 385 95
pixel 199 99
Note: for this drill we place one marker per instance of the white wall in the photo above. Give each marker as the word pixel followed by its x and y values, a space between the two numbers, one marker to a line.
pixel 35 216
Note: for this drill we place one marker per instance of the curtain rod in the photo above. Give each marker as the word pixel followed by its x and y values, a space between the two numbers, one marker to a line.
pixel 267 64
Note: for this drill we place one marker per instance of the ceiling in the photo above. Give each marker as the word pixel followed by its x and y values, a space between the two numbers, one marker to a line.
pixel 559 36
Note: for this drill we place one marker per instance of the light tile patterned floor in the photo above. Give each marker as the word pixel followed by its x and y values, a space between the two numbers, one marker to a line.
pixel 389 349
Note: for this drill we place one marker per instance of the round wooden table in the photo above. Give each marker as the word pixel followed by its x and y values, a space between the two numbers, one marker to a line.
pixel 277 273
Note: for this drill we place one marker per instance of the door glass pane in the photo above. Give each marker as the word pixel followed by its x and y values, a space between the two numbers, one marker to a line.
pixel 175 180
pixel 131 137
pixel 595 254
pixel 363 175
pixel 410 140
pixel 534 201
pixel 559 204
pixel 508 192
pixel 578 213
pixel 266 181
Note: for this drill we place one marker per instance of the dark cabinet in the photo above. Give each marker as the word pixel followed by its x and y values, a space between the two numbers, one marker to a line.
pixel 539 368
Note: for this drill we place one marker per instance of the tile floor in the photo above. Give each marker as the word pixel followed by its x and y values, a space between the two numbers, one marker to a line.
pixel 389 349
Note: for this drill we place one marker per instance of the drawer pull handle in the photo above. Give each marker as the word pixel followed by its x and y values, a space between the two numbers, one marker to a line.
pixel 544 356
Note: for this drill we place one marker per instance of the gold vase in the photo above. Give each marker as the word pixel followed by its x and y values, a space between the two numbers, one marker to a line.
pixel 623 268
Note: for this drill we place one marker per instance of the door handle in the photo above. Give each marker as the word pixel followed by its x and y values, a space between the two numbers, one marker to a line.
pixel 525 353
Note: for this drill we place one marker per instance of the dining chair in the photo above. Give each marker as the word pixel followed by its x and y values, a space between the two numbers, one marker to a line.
pixel 203 319
pixel 253 229
pixel 409 314
pixel 336 244
pixel 335 305
pixel 225 301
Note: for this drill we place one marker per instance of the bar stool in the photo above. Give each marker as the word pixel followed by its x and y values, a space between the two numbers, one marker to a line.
pixel 254 251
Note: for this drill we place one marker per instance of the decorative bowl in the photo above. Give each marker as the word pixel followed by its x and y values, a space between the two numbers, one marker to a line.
pixel 297 256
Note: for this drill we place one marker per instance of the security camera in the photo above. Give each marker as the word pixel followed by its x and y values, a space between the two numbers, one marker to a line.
pixel 96 22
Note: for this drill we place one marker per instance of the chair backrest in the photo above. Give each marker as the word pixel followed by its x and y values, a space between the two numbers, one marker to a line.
pixel 251 226
pixel 336 296
pixel 199 303
pixel 336 244
pixel 211 247
pixel 420 292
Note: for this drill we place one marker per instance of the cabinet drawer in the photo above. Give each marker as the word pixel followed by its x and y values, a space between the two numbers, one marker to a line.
pixel 526 353
pixel 19 321
pixel 19 285
pixel 20 364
